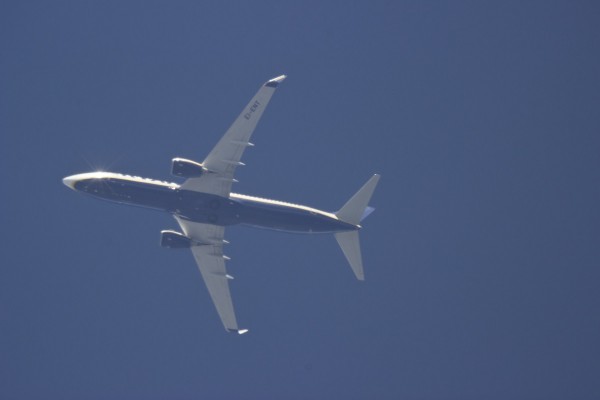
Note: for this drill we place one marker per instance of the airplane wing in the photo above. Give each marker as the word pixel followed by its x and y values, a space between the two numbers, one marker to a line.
pixel 222 161
pixel 208 252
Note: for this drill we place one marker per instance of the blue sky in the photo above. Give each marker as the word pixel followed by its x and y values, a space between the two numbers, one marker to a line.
pixel 481 259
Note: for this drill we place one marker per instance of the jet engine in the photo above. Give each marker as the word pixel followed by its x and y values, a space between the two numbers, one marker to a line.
pixel 174 240
pixel 186 168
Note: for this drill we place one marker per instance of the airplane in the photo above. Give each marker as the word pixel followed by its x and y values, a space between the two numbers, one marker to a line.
pixel 203 205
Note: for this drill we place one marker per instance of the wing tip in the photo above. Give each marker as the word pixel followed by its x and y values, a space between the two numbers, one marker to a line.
pixel 238 331
pixel 275 81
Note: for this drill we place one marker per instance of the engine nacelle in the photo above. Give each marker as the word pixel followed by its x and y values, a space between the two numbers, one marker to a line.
pixel 186 168
pixel 174 240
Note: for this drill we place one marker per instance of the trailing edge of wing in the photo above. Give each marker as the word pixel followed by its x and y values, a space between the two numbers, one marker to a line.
pixel 225 157
pixel 211 263
pixel 228 152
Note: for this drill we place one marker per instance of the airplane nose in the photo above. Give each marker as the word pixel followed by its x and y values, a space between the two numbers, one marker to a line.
pixel 70 181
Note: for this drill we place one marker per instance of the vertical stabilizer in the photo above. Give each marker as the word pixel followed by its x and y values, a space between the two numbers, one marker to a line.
pixel 353 211
pixel 350 245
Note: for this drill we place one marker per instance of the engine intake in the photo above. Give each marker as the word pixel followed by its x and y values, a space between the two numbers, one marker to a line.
pixel 174 240
pixel 186 168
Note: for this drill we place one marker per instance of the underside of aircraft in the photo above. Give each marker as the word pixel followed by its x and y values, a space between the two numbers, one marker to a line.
pixel 203 205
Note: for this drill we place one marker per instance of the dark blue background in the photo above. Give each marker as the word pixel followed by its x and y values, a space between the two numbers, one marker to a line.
pixel 481 259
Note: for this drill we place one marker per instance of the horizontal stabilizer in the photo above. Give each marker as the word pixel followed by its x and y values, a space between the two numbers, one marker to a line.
pixel 356 208
pixel 350 245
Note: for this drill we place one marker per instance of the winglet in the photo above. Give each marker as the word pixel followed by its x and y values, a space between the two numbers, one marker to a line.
pixel 275 81
pixel 239 331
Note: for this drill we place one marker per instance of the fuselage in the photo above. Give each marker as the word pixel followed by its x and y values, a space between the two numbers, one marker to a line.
pixel 204 207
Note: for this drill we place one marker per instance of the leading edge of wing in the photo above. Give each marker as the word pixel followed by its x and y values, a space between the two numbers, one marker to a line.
pixel 225 157
pixel 211 263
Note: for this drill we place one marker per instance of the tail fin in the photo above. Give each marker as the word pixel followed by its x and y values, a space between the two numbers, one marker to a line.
pixel 354 211
pixel 356 208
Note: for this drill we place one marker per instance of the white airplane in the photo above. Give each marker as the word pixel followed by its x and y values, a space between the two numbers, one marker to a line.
pixel 203 205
